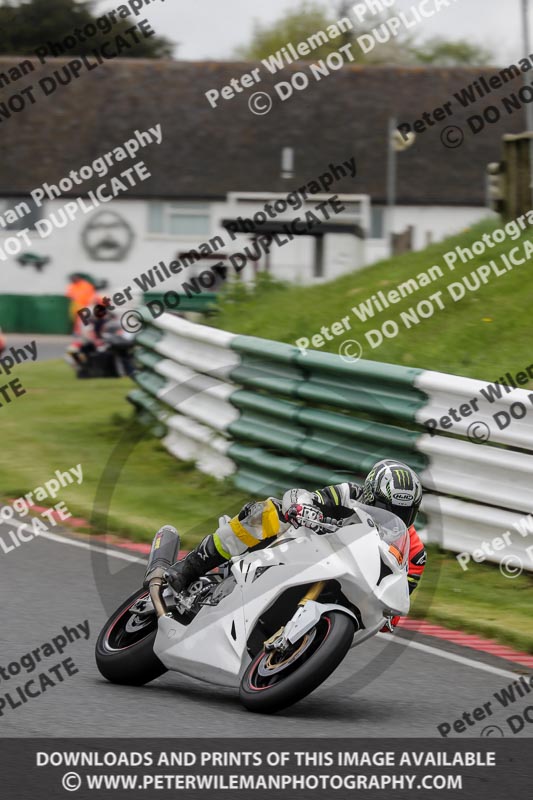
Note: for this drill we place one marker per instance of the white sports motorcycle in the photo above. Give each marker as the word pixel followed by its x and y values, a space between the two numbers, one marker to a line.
pixel 275 622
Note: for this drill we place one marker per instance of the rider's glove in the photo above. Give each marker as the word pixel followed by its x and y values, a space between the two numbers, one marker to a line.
pixel 310 516
pixel 298 497
pixel 292 513
pixel 390 625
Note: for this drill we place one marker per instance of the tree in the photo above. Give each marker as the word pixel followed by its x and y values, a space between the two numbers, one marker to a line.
pixel 443 53
pixel 301 23
pixel 294 26
pixel 26 25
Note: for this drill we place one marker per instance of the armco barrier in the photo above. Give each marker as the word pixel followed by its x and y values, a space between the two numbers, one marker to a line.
pixel 272 417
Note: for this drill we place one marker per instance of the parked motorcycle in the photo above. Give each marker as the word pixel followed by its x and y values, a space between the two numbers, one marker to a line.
pixel 275 622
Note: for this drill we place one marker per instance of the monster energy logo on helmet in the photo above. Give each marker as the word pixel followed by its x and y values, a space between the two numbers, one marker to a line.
pixel 394 486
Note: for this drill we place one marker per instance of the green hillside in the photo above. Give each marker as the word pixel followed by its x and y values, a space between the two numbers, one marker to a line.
pixel 480 336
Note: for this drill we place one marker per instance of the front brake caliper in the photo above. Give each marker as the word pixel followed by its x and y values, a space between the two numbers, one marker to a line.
pixel 277 641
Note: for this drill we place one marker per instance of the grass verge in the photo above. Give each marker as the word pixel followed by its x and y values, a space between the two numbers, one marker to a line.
pixel 479 600
pixel 62 422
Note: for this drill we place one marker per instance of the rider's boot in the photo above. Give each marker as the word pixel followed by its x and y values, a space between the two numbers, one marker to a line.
pixel 203 558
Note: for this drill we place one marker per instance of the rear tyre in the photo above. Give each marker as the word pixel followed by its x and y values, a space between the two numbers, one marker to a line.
pixel 274 681
pixel 125 647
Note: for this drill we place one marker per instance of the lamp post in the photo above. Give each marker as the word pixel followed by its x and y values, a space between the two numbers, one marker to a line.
pixel 396 144
pixel 391 184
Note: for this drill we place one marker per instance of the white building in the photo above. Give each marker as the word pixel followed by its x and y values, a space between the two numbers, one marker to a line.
pixel 216 165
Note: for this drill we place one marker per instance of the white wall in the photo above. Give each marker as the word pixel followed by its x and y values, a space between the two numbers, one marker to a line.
pixel 436 222
pixel 295 260
pixel 292 262
pixel 343 254
pixel 67 254
pixel 430 223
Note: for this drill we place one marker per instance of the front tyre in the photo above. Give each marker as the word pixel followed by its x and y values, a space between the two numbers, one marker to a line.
pixel 125 647
pixel 276 680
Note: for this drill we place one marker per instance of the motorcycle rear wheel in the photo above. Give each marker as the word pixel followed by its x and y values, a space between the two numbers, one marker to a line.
pixel 274 682
pixel 125 647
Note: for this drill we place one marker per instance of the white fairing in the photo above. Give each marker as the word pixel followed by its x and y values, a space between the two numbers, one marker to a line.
pixel 213 646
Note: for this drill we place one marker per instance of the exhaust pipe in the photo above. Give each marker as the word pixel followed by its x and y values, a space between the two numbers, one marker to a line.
pixel 163 554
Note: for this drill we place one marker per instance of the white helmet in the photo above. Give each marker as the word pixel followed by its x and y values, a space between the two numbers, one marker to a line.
pixel 394 486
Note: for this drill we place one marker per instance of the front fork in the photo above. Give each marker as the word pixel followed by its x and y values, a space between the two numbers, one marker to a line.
pixel 279 640
pixel 313 593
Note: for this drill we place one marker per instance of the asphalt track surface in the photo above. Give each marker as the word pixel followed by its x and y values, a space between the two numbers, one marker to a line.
pixel 391 686
pixel 48 347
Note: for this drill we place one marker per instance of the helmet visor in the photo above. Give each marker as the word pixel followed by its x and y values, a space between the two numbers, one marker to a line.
pixel 406 513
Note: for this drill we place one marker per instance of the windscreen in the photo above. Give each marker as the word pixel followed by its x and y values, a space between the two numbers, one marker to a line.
pixel 391 530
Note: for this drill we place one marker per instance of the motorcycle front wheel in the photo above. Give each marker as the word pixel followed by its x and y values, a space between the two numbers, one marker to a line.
pixel 275 680
pixel 125 648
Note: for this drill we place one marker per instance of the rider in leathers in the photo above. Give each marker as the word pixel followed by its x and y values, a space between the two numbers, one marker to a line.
pixel 389 484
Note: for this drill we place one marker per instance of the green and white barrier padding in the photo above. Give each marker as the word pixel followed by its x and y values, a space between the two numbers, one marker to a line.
pixel 272 417
pixel 450 391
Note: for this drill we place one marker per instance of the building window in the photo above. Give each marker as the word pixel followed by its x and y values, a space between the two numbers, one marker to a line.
pixel 179 219
pixel 18 213
pixel 376 222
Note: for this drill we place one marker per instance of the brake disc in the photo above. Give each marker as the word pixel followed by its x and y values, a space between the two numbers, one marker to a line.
pixel 269 666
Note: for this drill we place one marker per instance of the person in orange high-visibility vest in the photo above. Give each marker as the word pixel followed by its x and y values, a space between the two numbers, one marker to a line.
pixel 82 294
